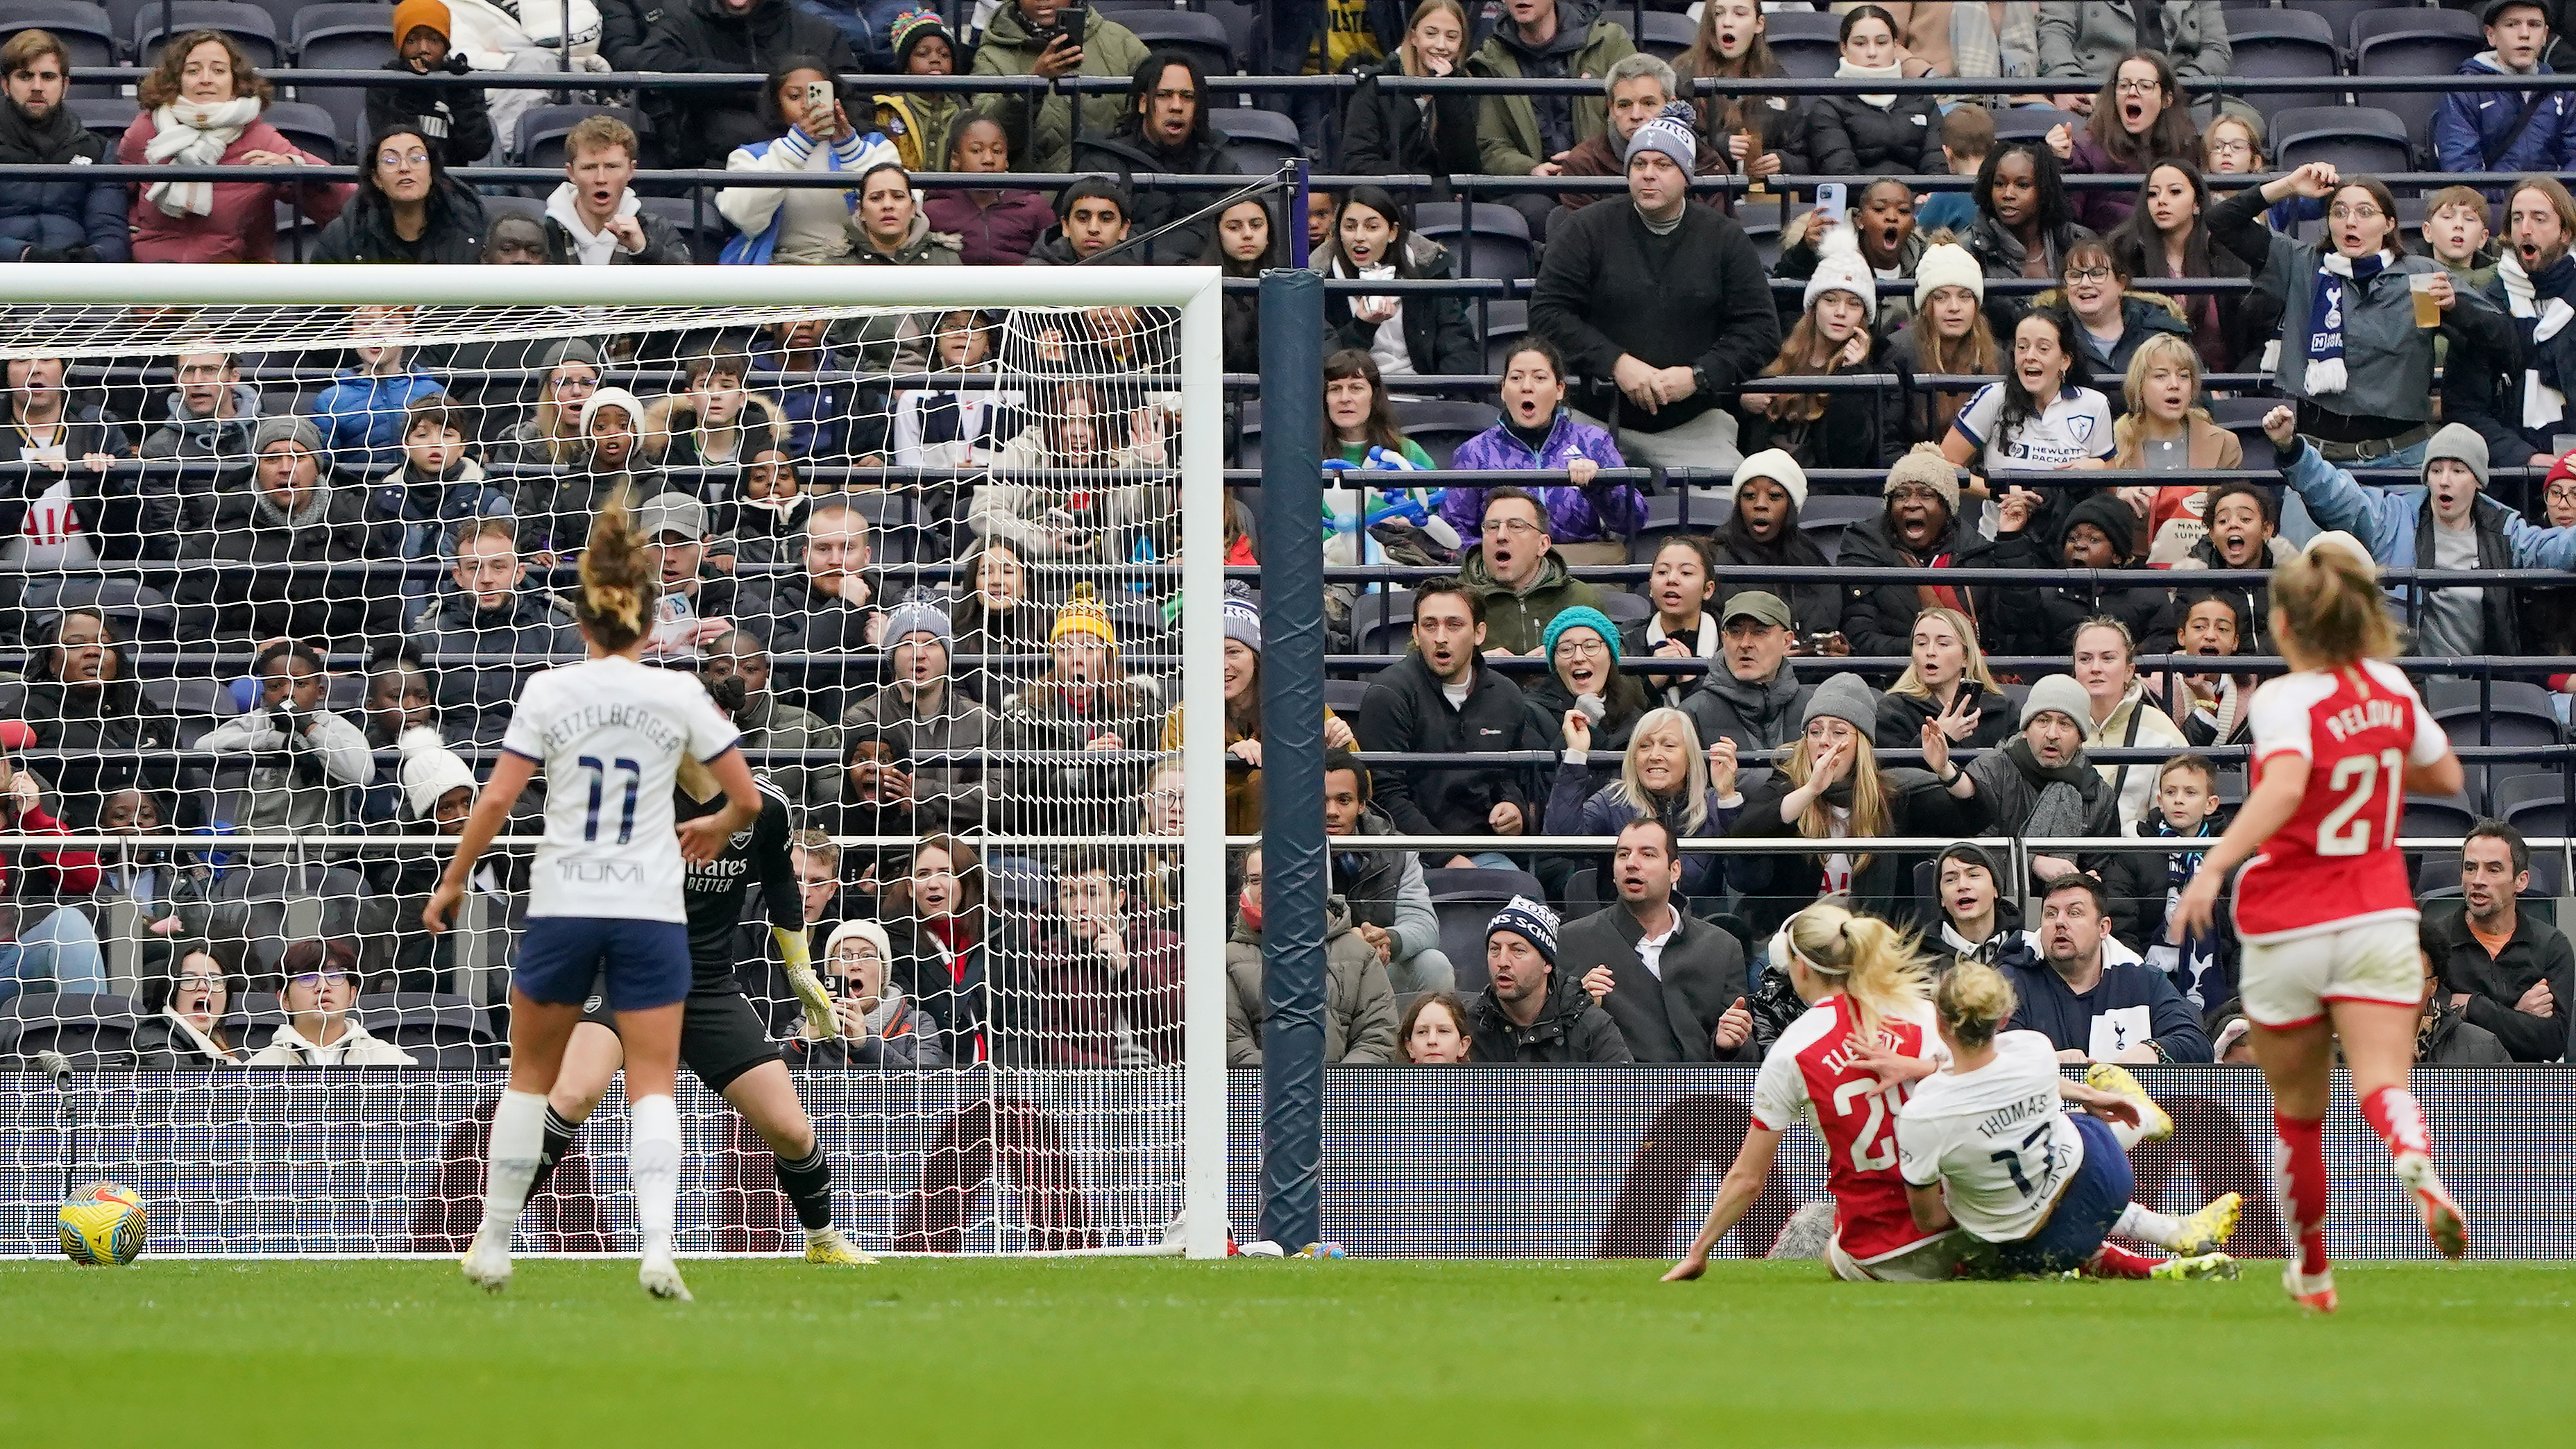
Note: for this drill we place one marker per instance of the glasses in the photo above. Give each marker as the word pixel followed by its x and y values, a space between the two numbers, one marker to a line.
pixel 1514 527
pixel 201 983
pixel 400 159
pixel 857 956
pixel 2363 212
pixel 2137 87
pixel 1165 800
pixel 315 979
pixel 2088 274
pixel 1571 645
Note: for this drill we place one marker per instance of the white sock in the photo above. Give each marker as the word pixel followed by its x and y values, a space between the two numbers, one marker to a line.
pixel 518 1139
pixel 653 1169
pixel 2148 1226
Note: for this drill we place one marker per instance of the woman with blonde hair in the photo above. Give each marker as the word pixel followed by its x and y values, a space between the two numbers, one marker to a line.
pixel 1947 682
pixel 608 898
pixel 2121 718
pixel 1861 981
pixel 2327 914
pixel 1829 787
pixel 1983 1151
pixel 1663 774
pixel 2166 430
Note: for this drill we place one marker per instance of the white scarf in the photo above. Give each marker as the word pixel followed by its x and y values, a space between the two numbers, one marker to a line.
pixel 590 248
pixel 188 133
pixel 2541 403
pixel 1849 71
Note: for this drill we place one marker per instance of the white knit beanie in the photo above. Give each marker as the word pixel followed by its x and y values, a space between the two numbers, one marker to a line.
pixel 1839 268
pixel 1780 468
pixel 1947 265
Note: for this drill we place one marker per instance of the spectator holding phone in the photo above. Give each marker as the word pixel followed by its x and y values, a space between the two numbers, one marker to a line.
pixel 797 225
pixel 875 1024
pixel 1051 40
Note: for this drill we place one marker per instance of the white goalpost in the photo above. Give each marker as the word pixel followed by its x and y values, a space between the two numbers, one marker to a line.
pixel 1032 455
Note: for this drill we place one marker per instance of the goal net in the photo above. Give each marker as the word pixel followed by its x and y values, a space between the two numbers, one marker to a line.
pixel 278 549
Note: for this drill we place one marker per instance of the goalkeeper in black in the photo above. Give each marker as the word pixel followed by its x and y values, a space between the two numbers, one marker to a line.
pixel 723 1037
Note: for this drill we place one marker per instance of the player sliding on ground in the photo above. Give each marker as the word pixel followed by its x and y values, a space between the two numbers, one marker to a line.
pixel 722 1036
pixel 605 896
pixel 2327 911
pixel 1985 1145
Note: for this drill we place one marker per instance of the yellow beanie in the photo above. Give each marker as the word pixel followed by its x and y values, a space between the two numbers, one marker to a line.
pixel 1082 614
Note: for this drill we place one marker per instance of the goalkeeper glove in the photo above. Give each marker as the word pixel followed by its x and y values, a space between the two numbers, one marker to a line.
pixel 802 980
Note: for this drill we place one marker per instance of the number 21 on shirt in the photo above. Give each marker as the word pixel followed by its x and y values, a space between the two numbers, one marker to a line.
pixel 2358 779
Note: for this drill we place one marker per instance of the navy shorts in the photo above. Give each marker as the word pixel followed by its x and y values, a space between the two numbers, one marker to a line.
pixel 2085 1212
pixel 644 964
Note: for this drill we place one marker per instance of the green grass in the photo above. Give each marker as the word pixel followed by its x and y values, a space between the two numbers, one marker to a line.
pixel 1242 1354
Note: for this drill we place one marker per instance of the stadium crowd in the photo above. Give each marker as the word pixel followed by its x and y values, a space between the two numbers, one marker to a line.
pixel 924 631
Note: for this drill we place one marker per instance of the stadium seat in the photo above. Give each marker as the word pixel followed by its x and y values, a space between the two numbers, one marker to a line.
pixel 702 224
pixel 107 115
pixel 2413 42
pixel 1465 900
pixel 2429 815
pixel 1247 428
pixel 140 612
pixel 1344 696
pixel 309 127
pixel 1202 38
pixel 438 1030
pixel 1625 607
pixel 251 28
pixel 2342 18
pixel 1693 510
pixel 341 37
pixel 2031 123
pixel 1485 239
pixel 1664 34
pixel 197 704
pixel 2359 140
pixel 1382 622
pixel 90 1030
pixel 1506 323
pixel 87 32
pixel 2271 43
pixel 541 131
pixel 1258 140
pixel 1440 427
pixel 1807 44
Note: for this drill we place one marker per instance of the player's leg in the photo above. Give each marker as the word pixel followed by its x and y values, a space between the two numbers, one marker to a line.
pixel 590 1062
pixel 648 983
pixel 2154 1124
pixel 2379 1047
pixel 2188 1236
pixel 539 1031
pixel 2298 1064
pixel 766 1097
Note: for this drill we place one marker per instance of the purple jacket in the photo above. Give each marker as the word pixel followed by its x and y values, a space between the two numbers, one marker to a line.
pixel 1601 512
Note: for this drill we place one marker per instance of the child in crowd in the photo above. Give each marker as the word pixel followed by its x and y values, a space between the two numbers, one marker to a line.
pixel 2457 233
pixel 1967 134
pixel 2143 886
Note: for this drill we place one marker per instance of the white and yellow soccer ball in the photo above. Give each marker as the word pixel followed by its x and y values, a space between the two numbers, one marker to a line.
pixel 103 1223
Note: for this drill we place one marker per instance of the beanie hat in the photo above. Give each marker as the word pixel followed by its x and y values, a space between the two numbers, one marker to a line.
pixel 2461 443
pixel 429 769
pixel 2105 511
pixel 913 27
pixel 571 349
pixel 1968 852
pixel 1531 921
pixel 614 397
pixel 413 15
pixel 1669 131
pixel 1947 264
pixel 1241 618
pixel 2562 470
pixel 1846 697
pixel 2061 693
pixel 1580 616
pixel 1839 268
pixel 913 616
pixel 281 428
pixel 1927 466
pixel 868 931
pixel 2337 538
pixel 1780 468
pixel 1082 614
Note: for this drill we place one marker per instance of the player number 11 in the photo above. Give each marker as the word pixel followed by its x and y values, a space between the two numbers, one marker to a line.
pixel 2342 832
pixel 598 783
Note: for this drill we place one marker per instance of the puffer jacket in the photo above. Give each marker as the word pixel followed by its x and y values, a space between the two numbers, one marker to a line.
pixel 707 37
pixel 1878 619
pixel 1000 232
pixel 115 718
pixel 1359 997
pixel 1571 1029
pixel 474 698
pixel 364 231
pixel 355 1048
pixel 1847 136
pixel 1606 510
pixel 1510 137
pixel 1518 621
pixel 899 341
pixel 42 220
pixel 1042 140
pixel 456 120
pixel 361 414
pixel 259 603
pixel 1385 134
pixel 1131 155
pixel 1438 338
pixel 2484 130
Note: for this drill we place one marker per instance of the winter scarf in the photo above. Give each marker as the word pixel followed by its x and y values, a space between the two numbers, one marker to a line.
pixel 2335 272
pixel 2058 811
pixel 189 134
pixel 1849 71
pixel 55 140
pixel 2540 312
pixel 2193 965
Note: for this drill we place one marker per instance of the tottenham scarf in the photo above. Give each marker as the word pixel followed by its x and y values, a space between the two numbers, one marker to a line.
pixel 2339 280
pixel 2539 302
pixel 2192 963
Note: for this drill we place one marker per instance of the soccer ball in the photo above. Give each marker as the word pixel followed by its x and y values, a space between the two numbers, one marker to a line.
pixel 103 1223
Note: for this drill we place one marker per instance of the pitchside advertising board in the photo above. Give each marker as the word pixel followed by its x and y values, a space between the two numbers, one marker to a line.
pixel 1447 1162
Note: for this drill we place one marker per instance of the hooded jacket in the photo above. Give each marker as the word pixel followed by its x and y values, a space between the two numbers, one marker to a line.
pixel 1512 138
pixel 902 1037
pixel 55 217
pixel 1359 996
pixel 1518 620
pixel 361 414
pixel 1757 716
pixel 258 602
pixel 1042 139
pixel 2447 1038
pixel 2396 525
pixel 355 1048
pixel 663 244
pixel 2142 315
pixel 1571 1029
pixel 170 1042
pixel 1606 510
pixel 1438 338
pixel 187 439
pixel 1847 136
pixel 769 723
pixel 701 37
pixel 1386 134
pixel 1132 154
pixel 1404 710
pixel 364 230
pixel 2484 130
pixel 2042 619
pixel 1878 619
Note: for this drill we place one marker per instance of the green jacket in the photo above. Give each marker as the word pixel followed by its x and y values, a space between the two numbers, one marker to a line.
pixel 1518 621
pixel 1046 144
pixel 1507 137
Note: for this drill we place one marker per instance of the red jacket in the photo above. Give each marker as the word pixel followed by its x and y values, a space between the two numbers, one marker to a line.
pixel 243 225
pixel 75 871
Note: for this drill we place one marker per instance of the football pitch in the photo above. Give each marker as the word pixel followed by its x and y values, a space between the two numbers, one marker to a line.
pixel 1150 1352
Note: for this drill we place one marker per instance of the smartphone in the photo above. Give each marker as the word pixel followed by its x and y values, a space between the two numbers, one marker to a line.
pixel 1071 20
pixel 1829 199
pixel 818 96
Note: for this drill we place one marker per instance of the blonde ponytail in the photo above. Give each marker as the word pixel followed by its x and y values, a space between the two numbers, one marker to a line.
pixel 1874 963
pixel 618 581
pixel 1974 1001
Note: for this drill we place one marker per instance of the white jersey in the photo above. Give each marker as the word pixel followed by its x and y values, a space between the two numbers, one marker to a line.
pixel 2075 425
pixel 609 734
pixel 1997 1139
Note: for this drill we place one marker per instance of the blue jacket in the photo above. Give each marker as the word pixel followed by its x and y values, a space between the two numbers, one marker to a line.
pixel 2468 125
pixel 818 413
pixel 747 249
pixel 2139 999
pixel 361 416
